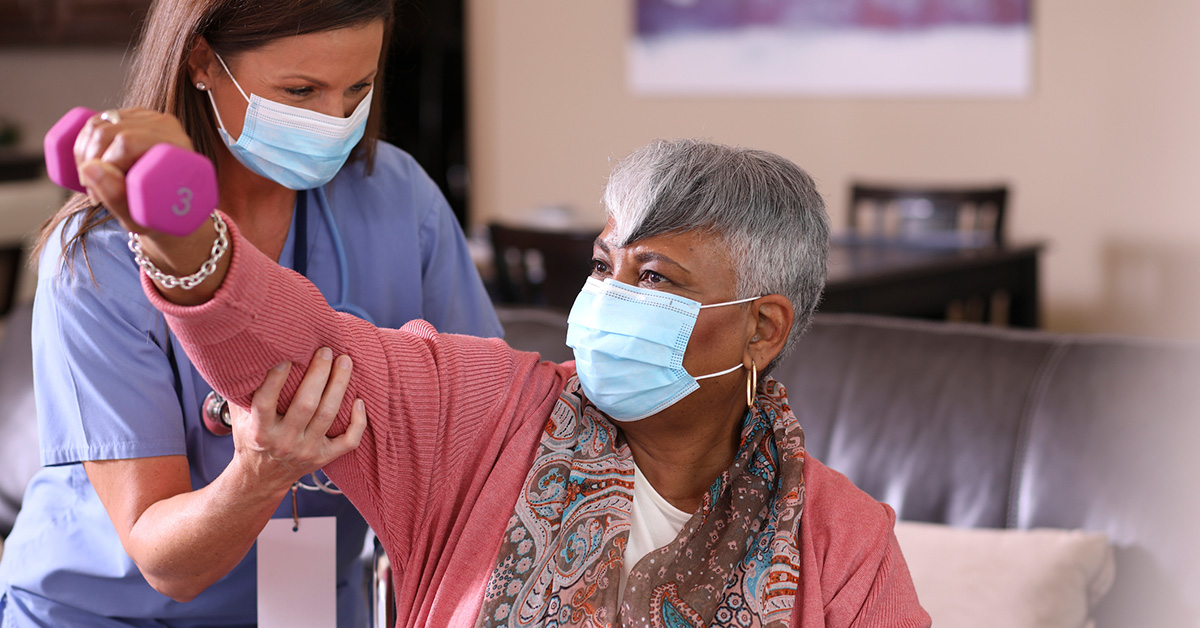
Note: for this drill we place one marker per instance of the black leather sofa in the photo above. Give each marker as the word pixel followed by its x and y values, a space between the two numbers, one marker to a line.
pixel 964 425
pixel 982 427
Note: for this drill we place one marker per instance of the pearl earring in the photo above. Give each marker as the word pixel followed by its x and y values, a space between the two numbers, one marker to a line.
pixel 201 86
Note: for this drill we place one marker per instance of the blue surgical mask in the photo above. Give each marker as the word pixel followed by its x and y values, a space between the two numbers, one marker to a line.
pixel 292 146
pixel 629 344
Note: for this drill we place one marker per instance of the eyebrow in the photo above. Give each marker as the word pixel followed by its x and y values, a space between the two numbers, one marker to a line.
pixel 322 84
pixel 651 256
pixel 647 256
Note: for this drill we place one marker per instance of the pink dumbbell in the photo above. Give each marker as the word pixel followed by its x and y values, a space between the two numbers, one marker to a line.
pixel 169 189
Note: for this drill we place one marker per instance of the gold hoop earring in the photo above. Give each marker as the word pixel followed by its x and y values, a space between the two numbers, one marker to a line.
pixel 751 383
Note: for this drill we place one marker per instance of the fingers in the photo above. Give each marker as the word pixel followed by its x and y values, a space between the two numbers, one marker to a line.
pixel 307 400
pixel 128 145
pixel 266 398
pixel 109 145
pixel 331 398
pixel 121 140
pixel 348 441
pixel 93 139
pixel 105 184
pixel 296 443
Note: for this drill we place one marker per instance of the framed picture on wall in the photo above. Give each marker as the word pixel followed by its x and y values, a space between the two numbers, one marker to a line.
pixel 868 48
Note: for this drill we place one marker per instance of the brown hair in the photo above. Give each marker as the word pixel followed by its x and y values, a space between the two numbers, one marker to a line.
pixel 160 81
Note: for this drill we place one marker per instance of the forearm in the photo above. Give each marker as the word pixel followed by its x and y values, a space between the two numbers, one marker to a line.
pixel 428 397
pixel 183 256
pixel 185 543
pixel 261 315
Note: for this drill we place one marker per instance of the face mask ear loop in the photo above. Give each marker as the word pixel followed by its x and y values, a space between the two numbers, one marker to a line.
pixel 220 123
pixel 731 302
pixel 728 370
pixel 725 372
pixel 235 83
pixel 217 112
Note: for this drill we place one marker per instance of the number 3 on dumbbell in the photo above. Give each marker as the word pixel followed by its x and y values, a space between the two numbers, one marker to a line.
pixel 163 186
pixel 184 205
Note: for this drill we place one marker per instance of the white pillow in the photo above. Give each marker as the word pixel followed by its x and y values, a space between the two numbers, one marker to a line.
pixel 979 578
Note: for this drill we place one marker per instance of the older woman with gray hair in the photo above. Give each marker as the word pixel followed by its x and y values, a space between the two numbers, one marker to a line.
pixel 658 480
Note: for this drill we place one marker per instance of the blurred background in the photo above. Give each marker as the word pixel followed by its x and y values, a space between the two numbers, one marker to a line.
pixel 518 109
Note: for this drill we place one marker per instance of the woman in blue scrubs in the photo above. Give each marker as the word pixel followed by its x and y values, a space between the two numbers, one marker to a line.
pixel 141 516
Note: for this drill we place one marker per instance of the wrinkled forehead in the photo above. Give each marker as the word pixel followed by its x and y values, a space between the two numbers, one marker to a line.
pixel 621 232
pixel 696 250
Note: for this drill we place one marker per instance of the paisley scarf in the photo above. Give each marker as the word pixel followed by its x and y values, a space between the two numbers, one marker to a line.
pixel 734 563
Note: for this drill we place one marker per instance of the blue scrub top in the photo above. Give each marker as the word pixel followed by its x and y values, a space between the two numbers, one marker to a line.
pixel 112 382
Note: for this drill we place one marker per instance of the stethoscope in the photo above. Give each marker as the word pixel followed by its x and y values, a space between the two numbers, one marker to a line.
pixel 215 409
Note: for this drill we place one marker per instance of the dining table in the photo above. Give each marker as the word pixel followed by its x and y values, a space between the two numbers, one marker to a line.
pixel 894 277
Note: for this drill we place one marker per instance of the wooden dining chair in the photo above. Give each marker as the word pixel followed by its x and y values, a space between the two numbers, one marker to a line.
pixel 929 215
pixel 10 275
pixel 540 267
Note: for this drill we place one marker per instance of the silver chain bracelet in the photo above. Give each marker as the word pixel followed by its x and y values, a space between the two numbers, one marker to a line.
pixel 220 245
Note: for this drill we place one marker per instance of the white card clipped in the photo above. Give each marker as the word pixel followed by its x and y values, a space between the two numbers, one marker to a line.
pixel 297 573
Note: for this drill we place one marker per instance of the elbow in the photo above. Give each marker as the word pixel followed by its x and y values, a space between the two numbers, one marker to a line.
pixel 180 589
pixel 179 578
pixel 181 597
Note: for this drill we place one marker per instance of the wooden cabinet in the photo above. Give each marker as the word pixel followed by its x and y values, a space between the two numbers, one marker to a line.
pixel 70 22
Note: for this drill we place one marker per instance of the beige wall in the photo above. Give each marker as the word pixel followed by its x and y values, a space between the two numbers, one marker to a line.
pixel 37 86
pixel 1101 158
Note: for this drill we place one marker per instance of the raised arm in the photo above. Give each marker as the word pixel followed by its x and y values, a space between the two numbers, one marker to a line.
pixel 125 425
pixel 440 406
pixel 437 403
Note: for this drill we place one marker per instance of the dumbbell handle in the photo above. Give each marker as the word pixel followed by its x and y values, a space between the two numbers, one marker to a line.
pixel 169 189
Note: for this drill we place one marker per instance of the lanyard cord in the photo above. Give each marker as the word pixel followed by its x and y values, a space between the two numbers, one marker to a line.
pixel 300 265
pixel 300 246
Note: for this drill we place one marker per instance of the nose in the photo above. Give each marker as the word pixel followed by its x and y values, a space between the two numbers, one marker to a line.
pixel 332 105
pixel 626 274
pixel 349 105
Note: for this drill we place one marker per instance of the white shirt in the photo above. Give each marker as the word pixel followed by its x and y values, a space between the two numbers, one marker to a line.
pixel 653 523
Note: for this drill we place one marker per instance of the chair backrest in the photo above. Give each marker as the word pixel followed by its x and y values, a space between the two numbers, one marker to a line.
pixel 10 274
pixel 930 215
pixel 541 268
pixel 536 329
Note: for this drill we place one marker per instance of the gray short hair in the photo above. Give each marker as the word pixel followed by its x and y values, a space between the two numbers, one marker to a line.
pixel 765 208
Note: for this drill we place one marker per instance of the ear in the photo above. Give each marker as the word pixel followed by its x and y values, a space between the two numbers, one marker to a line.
pixel 772 318
pixel 202 63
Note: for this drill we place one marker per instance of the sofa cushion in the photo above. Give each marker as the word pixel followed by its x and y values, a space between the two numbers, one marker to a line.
pixel 986 578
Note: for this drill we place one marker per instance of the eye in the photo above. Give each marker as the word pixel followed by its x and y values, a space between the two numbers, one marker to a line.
pixel 298 92
pixel 599 267
pixel 653 278
pixel 361 87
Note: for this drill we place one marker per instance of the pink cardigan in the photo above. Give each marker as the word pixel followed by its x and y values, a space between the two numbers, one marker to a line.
pixel 455 422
